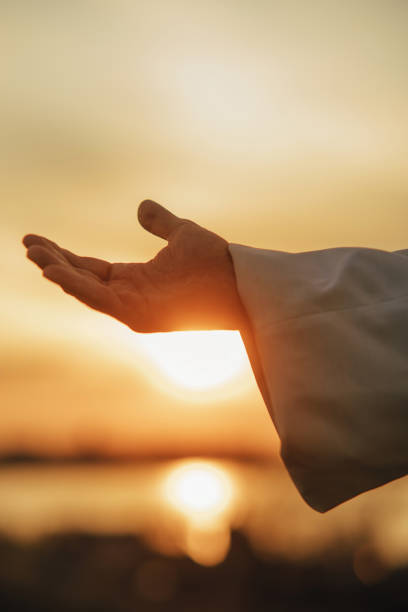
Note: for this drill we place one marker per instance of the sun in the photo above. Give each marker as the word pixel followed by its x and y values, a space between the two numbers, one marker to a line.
pixel 197 360
pixel 203 363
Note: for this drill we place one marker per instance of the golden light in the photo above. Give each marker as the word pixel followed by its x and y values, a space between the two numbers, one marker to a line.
pixel 224 93
pixel 207 545
pixel 203 494
pixel 200 490
pixel 197 360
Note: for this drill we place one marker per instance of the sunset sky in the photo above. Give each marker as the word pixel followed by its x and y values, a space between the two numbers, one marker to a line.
pixel 280 125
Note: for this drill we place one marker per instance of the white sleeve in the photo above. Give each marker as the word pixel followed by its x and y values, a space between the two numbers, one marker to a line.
pixel 331 330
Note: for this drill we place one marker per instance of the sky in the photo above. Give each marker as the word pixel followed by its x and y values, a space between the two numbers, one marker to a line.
pixel 279 125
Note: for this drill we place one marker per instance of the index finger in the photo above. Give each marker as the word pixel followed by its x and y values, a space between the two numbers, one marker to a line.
pixel 99 267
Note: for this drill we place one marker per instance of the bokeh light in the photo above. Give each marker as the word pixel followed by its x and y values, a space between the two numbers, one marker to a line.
pixel 204 495
pixel 200 490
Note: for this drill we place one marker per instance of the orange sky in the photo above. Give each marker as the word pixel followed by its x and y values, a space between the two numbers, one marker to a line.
pixel 279 125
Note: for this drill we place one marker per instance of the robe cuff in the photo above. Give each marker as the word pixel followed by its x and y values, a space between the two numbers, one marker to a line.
pixel 331 332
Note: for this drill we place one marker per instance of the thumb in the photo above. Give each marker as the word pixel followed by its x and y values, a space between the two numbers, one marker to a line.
pixel 158 220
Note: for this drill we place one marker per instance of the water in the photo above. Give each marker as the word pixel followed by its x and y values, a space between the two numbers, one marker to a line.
pixel 257 498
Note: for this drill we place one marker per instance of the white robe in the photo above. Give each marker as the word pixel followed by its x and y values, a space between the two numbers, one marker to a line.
pixel 331 333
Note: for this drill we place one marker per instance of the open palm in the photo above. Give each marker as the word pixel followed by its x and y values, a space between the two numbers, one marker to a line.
pixel 190 284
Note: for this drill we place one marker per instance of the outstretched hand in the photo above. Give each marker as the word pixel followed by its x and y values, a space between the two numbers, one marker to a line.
pixel 190 284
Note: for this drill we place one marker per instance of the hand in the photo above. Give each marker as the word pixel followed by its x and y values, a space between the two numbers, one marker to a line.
pixel 190 284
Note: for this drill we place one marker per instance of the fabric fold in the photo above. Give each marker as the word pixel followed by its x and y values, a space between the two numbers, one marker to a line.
pixel 331 332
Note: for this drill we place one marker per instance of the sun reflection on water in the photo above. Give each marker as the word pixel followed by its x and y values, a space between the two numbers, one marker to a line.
pixel 204 494
pixel 200 490
pixel 189 507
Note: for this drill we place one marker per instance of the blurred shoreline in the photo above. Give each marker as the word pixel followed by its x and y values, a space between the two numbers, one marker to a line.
pixel 86 458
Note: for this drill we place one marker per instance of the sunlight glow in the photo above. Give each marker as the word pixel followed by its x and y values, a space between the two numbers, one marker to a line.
pixel 207 545
pixel 197 359
pixel 199 490
pixel 204 496
pixel 219 94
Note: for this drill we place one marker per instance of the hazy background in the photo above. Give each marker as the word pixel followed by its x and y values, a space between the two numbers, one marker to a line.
pixel 276 124
pixel 280 125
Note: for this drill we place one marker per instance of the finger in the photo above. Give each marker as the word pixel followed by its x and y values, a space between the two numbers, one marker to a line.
pixel 44 257
pixel 99 267
pixel 158 220
pixel 88 290
pixel 30 239
pixel 35 239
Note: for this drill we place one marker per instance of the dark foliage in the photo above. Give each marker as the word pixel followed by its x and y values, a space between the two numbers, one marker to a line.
pixel 87 573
